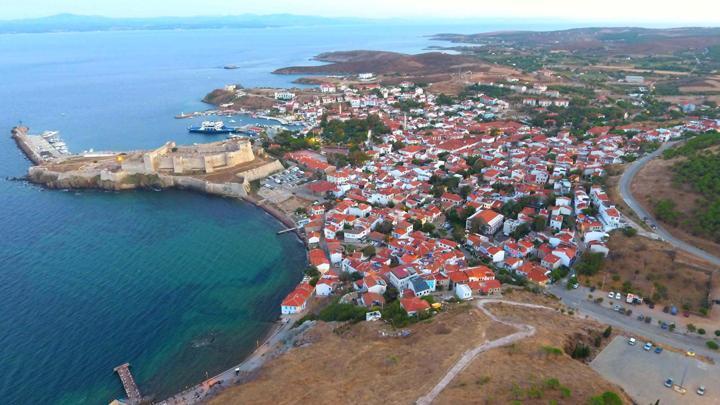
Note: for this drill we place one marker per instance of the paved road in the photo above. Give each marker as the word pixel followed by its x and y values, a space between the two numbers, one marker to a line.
pixel 626 181
pixel 578 300
pixel 524 331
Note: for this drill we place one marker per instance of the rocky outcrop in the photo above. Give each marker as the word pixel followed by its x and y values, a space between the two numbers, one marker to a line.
pixel 62 180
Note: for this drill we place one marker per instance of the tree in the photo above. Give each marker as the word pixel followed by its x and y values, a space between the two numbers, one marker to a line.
pixel 520 231
pixel 369 251
pixel 312 271
pixel 539 223
pixel 590 264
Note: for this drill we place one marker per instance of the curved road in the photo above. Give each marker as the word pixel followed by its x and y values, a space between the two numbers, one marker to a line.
pixel 524 331
pixel 626 181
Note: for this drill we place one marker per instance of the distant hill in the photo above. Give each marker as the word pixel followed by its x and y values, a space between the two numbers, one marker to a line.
pixel 72 22
pixel 615 40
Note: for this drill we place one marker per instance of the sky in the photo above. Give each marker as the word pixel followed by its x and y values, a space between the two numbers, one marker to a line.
pixel 672 12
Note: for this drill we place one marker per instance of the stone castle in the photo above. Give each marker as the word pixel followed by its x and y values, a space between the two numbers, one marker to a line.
pixel 193 159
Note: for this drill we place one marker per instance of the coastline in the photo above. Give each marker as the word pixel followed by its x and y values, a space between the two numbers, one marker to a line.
pixel 282 331
pixel 278 332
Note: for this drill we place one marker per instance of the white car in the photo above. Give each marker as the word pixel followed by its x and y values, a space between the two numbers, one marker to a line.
pixel 618 296
pixel 701 390
pixel 632 341
pixel 611 295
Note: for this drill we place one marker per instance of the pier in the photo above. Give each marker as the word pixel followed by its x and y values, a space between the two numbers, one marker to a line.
pixel 287 230
pixel 128 382
pixel 40 148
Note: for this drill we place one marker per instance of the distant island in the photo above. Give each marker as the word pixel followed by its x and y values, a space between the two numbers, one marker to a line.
pixel 84 23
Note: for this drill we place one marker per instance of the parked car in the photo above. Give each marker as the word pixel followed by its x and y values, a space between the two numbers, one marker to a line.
pixel 701 390
pixel 632 341
pixel 690 353
pixel 617 307
pixel 669 383
pixel 648 346
pixel 611 295
pixel 658 349
pixel 618 296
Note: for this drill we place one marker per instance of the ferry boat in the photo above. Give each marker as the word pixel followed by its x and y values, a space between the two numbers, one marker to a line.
pixel 212 128
pixel 182 115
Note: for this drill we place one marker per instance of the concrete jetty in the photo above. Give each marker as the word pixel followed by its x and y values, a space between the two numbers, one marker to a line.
pixel 128 382
pixel 40 148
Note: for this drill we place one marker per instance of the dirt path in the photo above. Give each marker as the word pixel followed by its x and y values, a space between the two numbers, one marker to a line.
pixel 524 331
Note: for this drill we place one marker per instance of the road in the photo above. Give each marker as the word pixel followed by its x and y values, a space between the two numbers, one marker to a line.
pixel 577 299
pixel 524 331
pixel 625 183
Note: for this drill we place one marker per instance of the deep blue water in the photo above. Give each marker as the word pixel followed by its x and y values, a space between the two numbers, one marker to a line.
pixel 176 283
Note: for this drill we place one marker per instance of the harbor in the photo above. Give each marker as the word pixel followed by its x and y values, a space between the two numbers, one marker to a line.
pixel 42 148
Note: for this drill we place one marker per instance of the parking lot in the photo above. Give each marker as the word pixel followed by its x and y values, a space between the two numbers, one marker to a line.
pixel 642 373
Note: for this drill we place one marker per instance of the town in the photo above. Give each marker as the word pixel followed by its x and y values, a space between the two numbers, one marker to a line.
pixel 420 195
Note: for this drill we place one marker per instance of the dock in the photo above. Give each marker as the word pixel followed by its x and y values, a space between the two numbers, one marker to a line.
pixel 287 230
pixel 128 382
pixel 40 148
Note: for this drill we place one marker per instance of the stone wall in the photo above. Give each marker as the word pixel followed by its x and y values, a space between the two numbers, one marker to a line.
pixel 261 172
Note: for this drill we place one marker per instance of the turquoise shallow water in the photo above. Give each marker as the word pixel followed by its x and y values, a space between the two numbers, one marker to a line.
pixel 169 281
pixel 178 284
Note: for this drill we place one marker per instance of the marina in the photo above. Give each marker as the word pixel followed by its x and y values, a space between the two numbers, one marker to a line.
pixel 42 148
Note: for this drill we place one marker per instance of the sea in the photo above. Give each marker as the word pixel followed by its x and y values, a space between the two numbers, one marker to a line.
pixel 178 284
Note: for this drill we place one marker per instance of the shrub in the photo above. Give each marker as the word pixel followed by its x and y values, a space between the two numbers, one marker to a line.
pixel 701 331
pixel 580 352
pixel 712 345
pixel 607 332
pixel 717 332
pixel 630 231
pixel 552 350
pixel 552 383
pixel 342 312
pixel 565 392
pixel 691 328
pixel 606 398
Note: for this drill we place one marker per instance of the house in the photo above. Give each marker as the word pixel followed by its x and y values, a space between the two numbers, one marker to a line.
pixel 487 221
pixel 556 222
pixel 399 277
pixel 296 301
pixel 325 287
pixel 414 305
pixel 374 283
pixel 463 292
pixel 371 299
pixel 490 287
pixel 551 262
pixel 496 254
pixel 402 230
pixel 319 260
pixel 313 238
pixel 419 286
